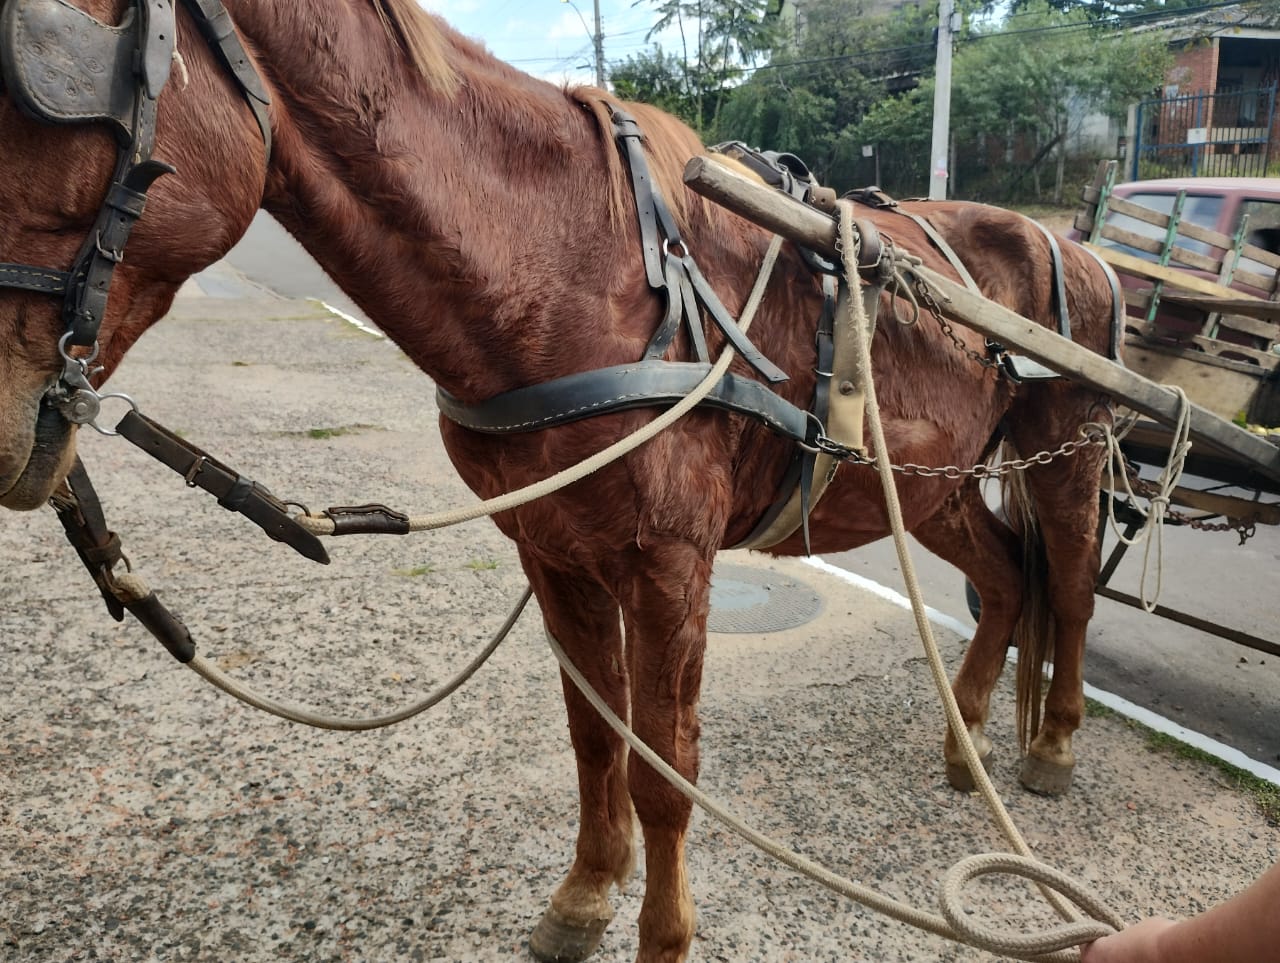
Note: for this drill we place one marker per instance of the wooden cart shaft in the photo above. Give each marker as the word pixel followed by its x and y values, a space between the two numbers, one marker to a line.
pixel 811 228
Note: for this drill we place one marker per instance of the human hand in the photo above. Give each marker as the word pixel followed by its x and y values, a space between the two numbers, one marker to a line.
pixel 1135 944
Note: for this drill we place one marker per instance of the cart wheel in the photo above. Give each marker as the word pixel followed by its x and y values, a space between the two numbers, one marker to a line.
pixel 972 599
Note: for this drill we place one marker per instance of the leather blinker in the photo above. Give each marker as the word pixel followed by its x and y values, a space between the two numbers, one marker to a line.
pixel 63 66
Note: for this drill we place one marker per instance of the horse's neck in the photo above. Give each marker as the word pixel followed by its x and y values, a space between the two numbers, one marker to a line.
pixel 446 217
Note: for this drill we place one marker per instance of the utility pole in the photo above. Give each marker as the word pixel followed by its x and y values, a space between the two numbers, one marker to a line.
pixel 942 103
pixel 598 38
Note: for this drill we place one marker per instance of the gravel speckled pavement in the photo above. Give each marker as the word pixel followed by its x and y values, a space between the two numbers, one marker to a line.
pixel 146 817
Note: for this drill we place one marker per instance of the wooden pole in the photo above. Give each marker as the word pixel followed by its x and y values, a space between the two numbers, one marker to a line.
pixel 798 222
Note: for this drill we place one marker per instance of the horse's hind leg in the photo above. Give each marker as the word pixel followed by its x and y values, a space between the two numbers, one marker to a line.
pixel 965 533
pixel 1065 498
pixel 583 618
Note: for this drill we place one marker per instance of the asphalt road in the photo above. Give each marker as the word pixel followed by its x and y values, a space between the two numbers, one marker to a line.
pixel 1229 693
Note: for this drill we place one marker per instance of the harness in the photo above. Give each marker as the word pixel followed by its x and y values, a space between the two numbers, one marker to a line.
pixel 672 272
pixel 836 412
pixel 63 66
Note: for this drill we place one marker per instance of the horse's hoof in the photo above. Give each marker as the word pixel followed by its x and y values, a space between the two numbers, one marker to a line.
pixel 961 778
pixel 557 939
pixel 1044 777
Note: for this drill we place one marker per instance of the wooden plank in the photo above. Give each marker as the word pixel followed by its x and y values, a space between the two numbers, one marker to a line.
pixel 1181 255
pixel 1252 308
pixel 1128 264
pixel 1185 228
pixel 779 212
pixel 1225 391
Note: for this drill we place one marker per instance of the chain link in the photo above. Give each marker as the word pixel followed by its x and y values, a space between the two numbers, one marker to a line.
pixel 1245 526
pixel 1091 433
pixel 925 294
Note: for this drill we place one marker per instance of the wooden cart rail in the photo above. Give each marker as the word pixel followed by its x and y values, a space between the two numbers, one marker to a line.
pixel 1182 312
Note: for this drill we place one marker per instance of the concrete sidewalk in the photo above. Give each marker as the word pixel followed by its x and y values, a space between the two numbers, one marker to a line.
pixel 144 816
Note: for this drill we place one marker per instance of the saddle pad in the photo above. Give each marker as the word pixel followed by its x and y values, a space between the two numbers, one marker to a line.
pixel 63 66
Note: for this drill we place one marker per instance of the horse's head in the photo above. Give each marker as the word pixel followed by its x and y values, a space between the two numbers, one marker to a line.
pixel 72 106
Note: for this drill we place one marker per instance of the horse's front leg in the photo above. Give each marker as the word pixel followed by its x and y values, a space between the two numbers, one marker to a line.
pixel 583 618
pixel 665 612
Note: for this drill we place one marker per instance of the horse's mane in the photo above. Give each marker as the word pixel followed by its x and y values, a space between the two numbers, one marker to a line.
pixel 420 38
pixel 670 142
pixel 670 145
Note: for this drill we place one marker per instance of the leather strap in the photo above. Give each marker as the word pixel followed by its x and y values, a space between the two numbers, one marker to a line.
pixel 80 512
pixel 234 491
pixel 670 268
pixel 103 249
pixel 1117 305
pixel 220 33
pixel 620 388
pixel 952 258
pixel 29 278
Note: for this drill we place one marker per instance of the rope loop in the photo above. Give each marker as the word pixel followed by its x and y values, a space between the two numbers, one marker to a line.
pixel 1011 943
pixel 1151 534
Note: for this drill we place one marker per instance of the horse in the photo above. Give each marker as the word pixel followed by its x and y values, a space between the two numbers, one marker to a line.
pixel 484 220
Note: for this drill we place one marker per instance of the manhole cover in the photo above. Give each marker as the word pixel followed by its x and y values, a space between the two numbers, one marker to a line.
pixel 749 600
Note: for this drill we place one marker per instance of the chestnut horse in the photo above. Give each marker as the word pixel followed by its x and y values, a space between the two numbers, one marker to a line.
pixel 483 219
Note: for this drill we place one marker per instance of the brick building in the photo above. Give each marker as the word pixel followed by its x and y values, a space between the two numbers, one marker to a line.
pixel 1218 111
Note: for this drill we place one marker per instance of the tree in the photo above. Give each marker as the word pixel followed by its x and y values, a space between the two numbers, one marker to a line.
pixel 1039 76
pixel 1107 9
pixel 822 79
pixel 718 39
pixel 655 78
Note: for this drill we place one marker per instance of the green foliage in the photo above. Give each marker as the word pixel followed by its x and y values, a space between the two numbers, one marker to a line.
pixel 1104 9
pixel 718 40
pixel 823 77
pixel 1019 92
pixel 838 82
pixel 656 78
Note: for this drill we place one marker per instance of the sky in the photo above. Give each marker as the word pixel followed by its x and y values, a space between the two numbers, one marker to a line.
pixel 550 38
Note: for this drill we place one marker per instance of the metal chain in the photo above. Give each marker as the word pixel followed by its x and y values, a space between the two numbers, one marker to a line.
pixel 1245 527
pixel 1091 433
pixel 925 294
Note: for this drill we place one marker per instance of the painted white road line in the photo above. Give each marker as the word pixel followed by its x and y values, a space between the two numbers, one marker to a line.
pixel 336 312
pixel 1139 714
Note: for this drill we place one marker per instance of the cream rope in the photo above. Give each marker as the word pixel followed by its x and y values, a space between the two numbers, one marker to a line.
pixel 318 720
pixel 321 525
pixel 1045 947
pixel 1152 531
pixel 135 588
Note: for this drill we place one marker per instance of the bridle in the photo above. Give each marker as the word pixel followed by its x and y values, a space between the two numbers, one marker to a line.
pixel 63 66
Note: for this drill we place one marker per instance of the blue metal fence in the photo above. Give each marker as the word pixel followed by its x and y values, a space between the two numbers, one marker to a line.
pixel 1224 134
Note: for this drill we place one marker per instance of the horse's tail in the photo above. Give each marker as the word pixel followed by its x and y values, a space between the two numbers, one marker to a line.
pixel 1033 634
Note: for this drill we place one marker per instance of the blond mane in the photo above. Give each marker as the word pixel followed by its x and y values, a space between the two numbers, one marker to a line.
pixel 418 35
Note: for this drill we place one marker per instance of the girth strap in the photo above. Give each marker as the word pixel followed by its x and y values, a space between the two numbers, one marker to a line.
pixel 620 388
